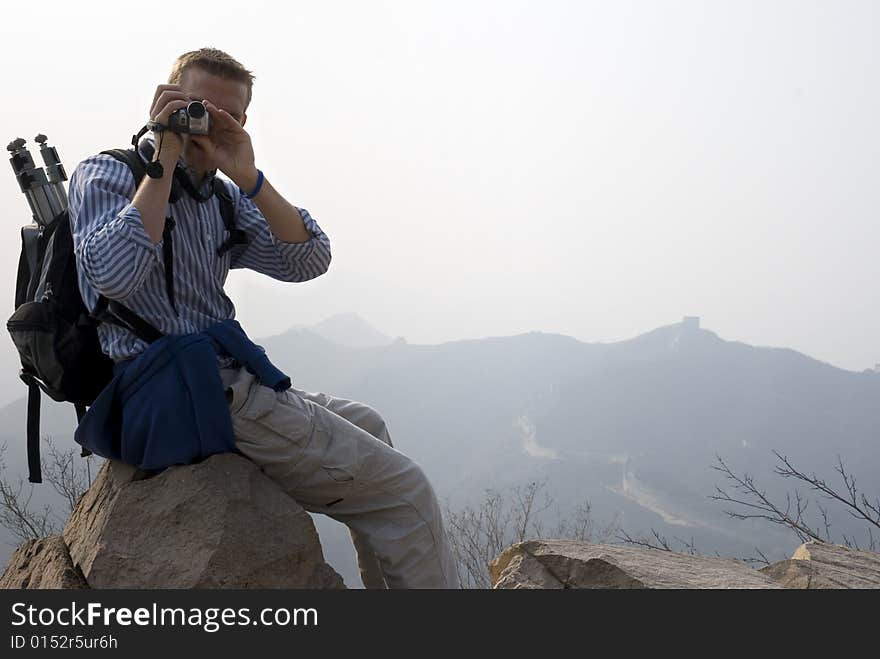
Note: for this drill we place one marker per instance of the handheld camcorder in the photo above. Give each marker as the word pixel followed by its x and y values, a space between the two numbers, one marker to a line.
pixel 193 119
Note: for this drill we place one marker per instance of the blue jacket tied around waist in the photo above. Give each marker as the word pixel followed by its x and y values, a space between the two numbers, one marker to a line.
pixel 167 405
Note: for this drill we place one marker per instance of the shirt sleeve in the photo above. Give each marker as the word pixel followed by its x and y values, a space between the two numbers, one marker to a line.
pixel 113 250
pixel 276 258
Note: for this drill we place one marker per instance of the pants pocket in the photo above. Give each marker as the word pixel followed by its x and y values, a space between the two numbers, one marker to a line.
pixel 327 474
pixel 339 474
pixel 273 428
pixel 340 455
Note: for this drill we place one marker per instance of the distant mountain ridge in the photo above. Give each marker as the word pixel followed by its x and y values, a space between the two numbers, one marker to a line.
pixel 348 329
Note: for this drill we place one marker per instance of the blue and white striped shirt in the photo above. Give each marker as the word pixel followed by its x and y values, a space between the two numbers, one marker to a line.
pixel 117 258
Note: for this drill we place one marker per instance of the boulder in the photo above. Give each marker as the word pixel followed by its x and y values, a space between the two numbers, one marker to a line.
pixel 817 565
pixel 43 563
pixel 220 523
pixel 570 564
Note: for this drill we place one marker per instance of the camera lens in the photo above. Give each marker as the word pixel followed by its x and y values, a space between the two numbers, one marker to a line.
pixel 196 109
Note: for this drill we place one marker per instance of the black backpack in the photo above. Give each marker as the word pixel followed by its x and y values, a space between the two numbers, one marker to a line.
pixel 55 334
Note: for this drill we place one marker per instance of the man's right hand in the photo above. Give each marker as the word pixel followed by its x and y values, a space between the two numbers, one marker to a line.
pixel 166 100
pixel 151 197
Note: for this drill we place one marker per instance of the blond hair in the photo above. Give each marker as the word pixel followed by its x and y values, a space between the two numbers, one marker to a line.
pixel 215 62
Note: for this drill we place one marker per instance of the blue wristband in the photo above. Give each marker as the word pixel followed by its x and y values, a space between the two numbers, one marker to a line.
pixel 257 188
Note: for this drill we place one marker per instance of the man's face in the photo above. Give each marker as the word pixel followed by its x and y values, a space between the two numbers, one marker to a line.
pixel 226 94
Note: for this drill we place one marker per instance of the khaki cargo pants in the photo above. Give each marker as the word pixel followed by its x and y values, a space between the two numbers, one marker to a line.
pixel 334 456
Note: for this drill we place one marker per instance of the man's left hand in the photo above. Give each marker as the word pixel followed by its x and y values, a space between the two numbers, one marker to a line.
pixel 229 146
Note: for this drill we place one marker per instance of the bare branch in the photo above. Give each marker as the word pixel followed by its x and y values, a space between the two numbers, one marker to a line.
pixel 660 543
pixel 757 500
pixel 67 478
pixel 64 474
pixel 761 559
pixel 15 512
pixel 478 534
pixel 857 505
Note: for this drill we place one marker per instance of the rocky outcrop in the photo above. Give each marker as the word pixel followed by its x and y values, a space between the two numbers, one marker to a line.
pixel 43 563
pixel 220 523
pixel 569 564
pixel 817 565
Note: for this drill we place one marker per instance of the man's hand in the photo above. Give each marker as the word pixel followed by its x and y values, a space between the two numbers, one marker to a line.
pixel 166 100
pixel 229 146
pixel 151 197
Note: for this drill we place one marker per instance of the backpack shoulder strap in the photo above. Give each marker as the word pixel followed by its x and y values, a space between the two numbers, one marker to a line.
pixel 111 310
pixel 136 164
pixel 28 265
pixel 132 159
pixel 227 211
pixel 226 208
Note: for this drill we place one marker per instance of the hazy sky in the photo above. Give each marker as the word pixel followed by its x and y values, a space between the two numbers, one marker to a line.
pixel 484 168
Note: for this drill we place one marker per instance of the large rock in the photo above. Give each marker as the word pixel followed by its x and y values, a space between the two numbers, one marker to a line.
pixel 220 523
pixel 43 563
pixel 817 565
pixel 570 564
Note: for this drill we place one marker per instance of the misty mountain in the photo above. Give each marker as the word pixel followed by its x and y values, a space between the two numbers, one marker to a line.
pixel 633 426
pixel 348 329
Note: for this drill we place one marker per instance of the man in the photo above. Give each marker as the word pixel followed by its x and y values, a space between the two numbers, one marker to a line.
pixel 334 456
